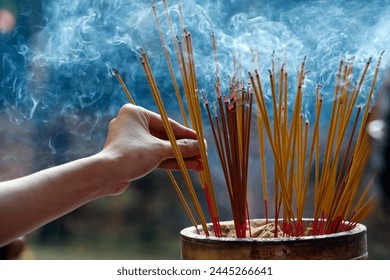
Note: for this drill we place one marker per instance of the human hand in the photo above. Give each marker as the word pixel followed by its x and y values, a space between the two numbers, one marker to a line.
pixel 137 144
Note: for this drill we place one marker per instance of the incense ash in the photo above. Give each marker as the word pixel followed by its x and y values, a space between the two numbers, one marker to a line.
pixel 301 162
pixel 259 228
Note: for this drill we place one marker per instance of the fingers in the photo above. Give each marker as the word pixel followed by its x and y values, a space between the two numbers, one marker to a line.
pixel 191 164
pixel 186 138
pixel 156 125
pixel 189 150
pixel 157 128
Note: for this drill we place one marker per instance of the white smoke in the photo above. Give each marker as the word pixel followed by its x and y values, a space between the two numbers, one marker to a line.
pixel 55 65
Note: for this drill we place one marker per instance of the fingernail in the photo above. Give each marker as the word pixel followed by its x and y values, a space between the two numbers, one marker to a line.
pixel 200 166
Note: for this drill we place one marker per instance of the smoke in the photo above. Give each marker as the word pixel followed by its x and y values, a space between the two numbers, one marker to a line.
pixel 56 84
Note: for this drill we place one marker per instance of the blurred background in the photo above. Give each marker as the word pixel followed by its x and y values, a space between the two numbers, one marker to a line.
pixel 57 96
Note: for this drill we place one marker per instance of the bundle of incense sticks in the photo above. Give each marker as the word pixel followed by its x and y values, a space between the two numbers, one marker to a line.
pixel 294 143
pixel 232 135
pixel 336 197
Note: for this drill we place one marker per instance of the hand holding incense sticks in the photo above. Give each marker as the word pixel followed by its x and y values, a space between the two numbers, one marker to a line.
pixel 171 177
pixel 145 142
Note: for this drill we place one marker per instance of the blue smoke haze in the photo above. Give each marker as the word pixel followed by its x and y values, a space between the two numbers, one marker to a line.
pixel 57 94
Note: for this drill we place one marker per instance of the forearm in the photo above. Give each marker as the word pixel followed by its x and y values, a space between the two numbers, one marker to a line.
pixel 32 201
pixel 133 148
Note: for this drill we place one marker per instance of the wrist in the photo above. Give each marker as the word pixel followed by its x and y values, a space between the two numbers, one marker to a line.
pixel 107 175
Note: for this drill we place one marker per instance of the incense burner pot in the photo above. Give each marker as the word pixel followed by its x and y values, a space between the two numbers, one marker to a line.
pixel 350 244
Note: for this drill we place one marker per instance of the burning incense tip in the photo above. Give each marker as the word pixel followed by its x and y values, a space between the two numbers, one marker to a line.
pixel 113 71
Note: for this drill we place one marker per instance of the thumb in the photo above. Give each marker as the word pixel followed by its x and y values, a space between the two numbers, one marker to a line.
pixel 189 148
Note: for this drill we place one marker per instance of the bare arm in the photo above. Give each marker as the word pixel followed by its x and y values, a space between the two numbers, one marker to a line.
pixel 136 144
